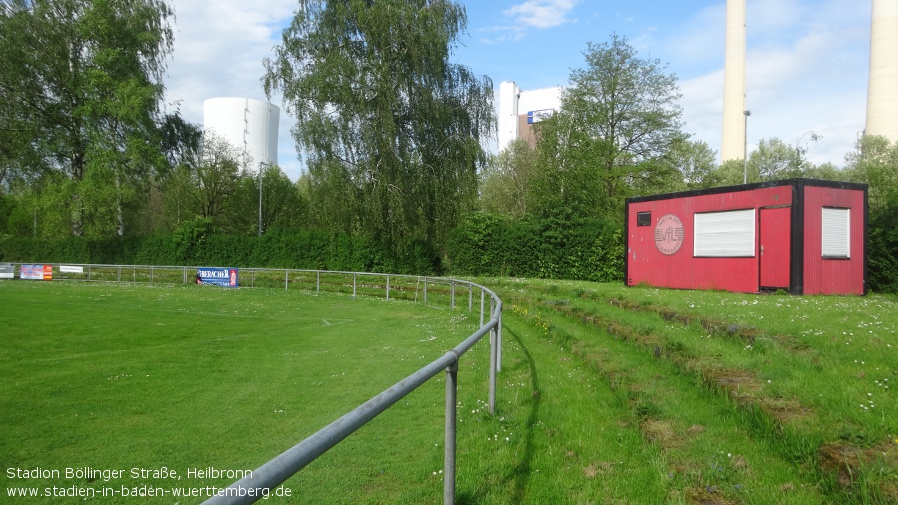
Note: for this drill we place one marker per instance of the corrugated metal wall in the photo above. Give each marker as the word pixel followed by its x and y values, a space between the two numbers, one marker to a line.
pixel 660 250
pixel 646 263
pixel 833 276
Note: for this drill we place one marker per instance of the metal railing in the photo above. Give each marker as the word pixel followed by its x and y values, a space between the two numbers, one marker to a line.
pixel 277 470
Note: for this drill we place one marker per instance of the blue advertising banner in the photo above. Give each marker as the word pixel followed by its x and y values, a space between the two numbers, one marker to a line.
pixel 226 277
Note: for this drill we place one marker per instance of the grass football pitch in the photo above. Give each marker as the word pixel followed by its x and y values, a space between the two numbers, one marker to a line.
pixel 141 391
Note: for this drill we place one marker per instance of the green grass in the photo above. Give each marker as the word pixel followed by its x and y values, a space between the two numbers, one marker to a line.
pixel 113 376
pixel 608 395
pixel 736 398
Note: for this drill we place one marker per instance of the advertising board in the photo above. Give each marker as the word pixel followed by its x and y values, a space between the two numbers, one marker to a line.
pixel 36 272
pixel 226 277
pixel 535 116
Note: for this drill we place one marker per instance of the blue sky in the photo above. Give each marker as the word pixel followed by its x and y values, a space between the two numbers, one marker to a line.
pixel 807 60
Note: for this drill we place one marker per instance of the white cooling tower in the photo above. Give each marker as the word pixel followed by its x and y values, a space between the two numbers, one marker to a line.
pixel 249 125
pixel 882 87
pixel 732 146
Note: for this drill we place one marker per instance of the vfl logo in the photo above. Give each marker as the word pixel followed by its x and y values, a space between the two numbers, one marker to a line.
pixel 669 234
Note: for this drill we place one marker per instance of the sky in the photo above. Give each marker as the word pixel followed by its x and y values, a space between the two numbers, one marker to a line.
pixel 807 60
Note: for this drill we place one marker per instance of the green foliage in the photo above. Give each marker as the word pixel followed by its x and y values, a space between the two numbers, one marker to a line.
pixel 696 163
pixel 198 242
pixel 214 176
pixel 618 119
pixel 283 207
pixel 474 247
pixel 505 182
pixel 189 240
pixel 774 160
pixel 559 246
pixel 80 91
pixel 876 163
pixel 882 243
pixel 391 129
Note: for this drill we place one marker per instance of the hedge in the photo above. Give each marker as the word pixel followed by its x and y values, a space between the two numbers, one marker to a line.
pixel 553 247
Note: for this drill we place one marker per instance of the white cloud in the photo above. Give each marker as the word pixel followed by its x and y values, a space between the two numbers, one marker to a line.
pixel 806 71
pixel 542 13
pixel 703 107
pixel 501 34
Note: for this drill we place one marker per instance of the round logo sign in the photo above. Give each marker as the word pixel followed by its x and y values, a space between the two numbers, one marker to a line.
pixel 669 234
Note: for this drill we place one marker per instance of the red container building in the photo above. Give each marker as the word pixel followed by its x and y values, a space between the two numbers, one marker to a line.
pixel 803 236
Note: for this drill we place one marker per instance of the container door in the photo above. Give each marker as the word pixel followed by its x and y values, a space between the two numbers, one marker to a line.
pixel 775 234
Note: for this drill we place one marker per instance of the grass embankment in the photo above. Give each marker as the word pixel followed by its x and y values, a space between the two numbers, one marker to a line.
pixel 654 396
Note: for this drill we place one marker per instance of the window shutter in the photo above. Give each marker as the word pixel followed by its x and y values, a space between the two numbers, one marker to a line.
pixel 728 234
pixel 835 233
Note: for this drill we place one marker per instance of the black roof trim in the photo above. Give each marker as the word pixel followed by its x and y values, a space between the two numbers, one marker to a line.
pixel 749 187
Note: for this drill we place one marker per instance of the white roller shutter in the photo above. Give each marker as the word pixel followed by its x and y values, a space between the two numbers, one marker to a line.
pixel 835 233
pixel 728 234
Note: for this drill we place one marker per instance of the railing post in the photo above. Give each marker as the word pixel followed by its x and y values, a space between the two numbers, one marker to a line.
pixel 151 274
pixel 451 412
pixel 499 342
pixel 119 272
pixel 388 288
pixel 482 295
pixel 354 275
pixel 286 278
pixel 452 291
pixel 493 354
pixel 471 299
pixel 317 281
pixel 425 291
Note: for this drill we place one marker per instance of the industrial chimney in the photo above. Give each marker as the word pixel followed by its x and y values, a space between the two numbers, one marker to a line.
pixel 882 88
pixel 732 146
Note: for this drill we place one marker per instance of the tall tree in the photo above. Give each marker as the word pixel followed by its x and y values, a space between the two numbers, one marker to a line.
pixel 505 182
pixel 283 207
pixel 80 86
pixel 618 119
pixel 214 177
pixel 384 119
pixel 875 162
pixel 774 159
pixel 695 161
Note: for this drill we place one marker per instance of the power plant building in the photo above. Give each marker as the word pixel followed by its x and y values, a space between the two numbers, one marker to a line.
pixel 249 125
pixel 519 110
